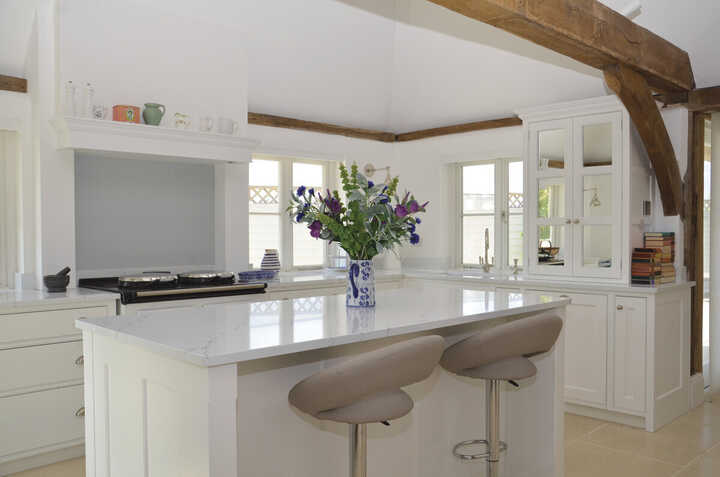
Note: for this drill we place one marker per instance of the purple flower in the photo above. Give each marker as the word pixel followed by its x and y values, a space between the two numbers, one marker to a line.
pixel 414 239
pixel 411 228
pixel 418 221
pixel 315 229
pixel 371 184
pixel 400 211
pixel 299 217
pixel 311 191
pixel 333 205
pixel 384 199
pixel 413 206
pixel 300 190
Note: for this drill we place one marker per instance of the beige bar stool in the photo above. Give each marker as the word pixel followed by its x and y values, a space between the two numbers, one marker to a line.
pixel 366 389
pixel 500 354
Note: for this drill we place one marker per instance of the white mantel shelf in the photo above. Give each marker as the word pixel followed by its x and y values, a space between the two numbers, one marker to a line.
pixel 144 141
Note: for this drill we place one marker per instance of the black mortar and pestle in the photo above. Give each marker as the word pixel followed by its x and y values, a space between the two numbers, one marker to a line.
pixel 58 283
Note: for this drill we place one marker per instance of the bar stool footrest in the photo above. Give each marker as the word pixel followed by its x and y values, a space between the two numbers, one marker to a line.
pixel 483 455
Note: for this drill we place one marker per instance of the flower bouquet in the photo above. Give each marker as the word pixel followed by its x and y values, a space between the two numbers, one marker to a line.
pixel 370 219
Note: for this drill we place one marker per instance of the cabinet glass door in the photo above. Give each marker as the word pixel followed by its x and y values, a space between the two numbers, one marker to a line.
pixel 549 192
pixel 597 195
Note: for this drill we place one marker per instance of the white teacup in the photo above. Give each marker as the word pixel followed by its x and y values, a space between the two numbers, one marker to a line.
pixel 206 123
pixel 227 126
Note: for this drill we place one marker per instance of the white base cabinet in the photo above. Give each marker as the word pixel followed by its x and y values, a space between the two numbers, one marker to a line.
pixel 41 382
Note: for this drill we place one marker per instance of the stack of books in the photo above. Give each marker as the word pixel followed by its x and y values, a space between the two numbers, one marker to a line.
pixel 645 269
pixel 664 242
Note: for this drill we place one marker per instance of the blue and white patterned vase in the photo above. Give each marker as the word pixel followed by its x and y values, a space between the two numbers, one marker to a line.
pixel 271 260
pixel 361 284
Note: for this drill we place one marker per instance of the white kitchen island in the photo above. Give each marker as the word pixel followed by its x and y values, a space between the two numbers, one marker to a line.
pixel 202 391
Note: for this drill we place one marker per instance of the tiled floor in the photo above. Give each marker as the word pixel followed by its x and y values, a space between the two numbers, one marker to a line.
pixel 687 447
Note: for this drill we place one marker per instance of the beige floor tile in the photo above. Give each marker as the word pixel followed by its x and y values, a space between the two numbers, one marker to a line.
pixel 584 459
pixel 707 465
pixel 68 468
pixel 578 426
pixel 677 443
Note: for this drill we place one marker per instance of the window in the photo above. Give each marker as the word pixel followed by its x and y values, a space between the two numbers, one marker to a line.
pixel 490 203
pixel 270 183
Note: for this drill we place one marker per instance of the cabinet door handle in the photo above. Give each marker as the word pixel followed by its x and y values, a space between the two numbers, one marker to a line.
pixel 619 307
pixel 576 221
pixel 564 296
pixel 80 412
pixel 568 221
pixel 80 360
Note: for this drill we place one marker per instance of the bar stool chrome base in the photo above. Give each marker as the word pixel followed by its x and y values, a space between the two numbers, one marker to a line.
pixel 472 442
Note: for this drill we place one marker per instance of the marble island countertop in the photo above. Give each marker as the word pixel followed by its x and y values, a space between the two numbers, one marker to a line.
pixel 218 334
pixel 10 299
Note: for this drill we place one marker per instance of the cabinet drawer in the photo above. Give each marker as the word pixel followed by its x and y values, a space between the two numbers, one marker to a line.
pixel 38 327
pixel 40 367
pixel 39 422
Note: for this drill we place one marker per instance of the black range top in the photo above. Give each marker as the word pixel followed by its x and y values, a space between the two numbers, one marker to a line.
pixel 154 286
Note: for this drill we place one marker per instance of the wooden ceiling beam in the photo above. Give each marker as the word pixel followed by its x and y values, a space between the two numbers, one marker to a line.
pixel 588 32
pixel 698 100
pixel 11 83
pixel 460 128
pixel 634 92
pixel 260 119
pixel 313 126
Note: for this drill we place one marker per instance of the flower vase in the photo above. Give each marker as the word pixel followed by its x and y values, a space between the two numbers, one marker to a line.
pixel 271 260
pixel 361 284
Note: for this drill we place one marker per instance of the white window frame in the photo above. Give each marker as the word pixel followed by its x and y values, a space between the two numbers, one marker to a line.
pixel 501 213
pixel 285 187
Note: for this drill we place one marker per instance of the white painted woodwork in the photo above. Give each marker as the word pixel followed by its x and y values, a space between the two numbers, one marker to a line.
pixel 586 349
pixel 628 353
pixel 142 140
pixel 34 368
pixel 40 422
pixel 628 160
pixel 41 375
pixel 40 327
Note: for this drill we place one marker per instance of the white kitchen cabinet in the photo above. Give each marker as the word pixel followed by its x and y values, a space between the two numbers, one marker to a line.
pixel 585 349
pixel 581 213
pixel 41 382
pixel 628 354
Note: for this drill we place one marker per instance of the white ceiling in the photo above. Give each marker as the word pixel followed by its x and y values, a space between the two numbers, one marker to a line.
pixel 398 65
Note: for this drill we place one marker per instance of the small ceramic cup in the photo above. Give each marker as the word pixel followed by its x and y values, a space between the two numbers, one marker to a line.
pixel 227 126
pixel 205 124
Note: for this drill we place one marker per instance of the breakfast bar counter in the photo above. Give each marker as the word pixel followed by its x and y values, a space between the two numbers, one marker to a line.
pixel 203 391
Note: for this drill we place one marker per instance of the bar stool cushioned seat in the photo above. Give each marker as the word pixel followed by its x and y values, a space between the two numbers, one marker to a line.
pixel 501 352
pixel 366 388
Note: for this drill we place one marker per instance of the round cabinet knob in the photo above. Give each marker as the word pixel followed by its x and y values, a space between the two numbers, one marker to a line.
pixel 80 360
pixel 619 307
pixel 568 221
pixel 80 412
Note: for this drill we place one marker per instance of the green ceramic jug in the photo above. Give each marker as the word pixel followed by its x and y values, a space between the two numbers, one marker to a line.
pixel 153 113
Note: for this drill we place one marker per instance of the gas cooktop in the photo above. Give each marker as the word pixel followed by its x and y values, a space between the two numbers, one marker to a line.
pixel 161 286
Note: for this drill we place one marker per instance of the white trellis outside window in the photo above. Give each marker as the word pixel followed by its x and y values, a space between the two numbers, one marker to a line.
pixel 271 181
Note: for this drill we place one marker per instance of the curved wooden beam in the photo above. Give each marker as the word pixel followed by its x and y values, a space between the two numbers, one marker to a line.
pixel 634 92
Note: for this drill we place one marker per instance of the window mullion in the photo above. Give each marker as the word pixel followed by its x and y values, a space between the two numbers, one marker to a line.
pixel 286 226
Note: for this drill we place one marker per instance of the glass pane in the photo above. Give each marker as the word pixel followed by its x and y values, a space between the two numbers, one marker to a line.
pixel 551 198
pixel 479 188
pixel 264 191
pixel 516 201
pixel 597 145
pixel 264 233
pixel 552 245
pixel 597 246
pixel 551 149
pixel 306 249
pixel 515 239
pixel 597 196
pixel 309 175
pixel 475 230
